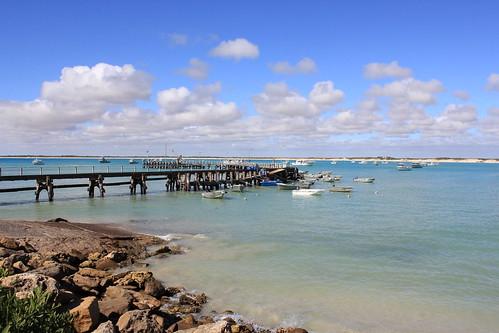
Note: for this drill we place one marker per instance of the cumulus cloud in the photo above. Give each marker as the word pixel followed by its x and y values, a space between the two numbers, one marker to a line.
pixel 493 82
pixel 304 66
pixel 236 49
pixel 378 70
pixel 176 38
pixel 462 95
pixel 410 90
pixel 455 119
pixel 197 69
pixel 278 100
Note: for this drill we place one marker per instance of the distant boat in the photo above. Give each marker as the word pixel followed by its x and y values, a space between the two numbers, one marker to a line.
pixel 37 161
pixel 333 162
pixel 363 162
pixel 343 189
pixel 366 180
pixel 302 163
pixel 307 192
pixel 416 165
pixel 238 188
pixel 268 183
pixel 213 195
pixel 104 160
pixel 132 161
pixel 404 168
pixel 284 186
pixel 384 162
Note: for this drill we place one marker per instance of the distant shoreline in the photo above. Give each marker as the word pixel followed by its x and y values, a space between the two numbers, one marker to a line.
pixel 354 158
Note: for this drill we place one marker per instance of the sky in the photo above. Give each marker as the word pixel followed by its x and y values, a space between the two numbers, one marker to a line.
pixel 254 78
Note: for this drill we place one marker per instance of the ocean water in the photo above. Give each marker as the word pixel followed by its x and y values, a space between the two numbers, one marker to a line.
pixel 414 252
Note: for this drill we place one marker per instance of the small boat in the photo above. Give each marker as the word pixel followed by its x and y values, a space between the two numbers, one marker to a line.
pixel 363 162
pixel 337 178
pixel 132 161
pixel 404 168
pixel 366 180
pixel 342 189
pixel 305 183
pixel 333 162
pixel 238 188
pixel 284 186
pixel 307 192
pixel 37 161
pixel 384 162
pixel 104 160
pixel 302 163
pixel 269 183
pixel 213 195
pixel 416 165
pixel 328 179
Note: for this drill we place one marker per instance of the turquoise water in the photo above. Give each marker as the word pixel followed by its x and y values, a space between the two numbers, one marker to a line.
pixel 414 252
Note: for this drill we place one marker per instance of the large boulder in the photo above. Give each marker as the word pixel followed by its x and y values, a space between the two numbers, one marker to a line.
pixel 106 327
pixel 56 270
pixel 25 283
pixel 218 327
pixel 89 278
pixel 86 315
pixel 140 321
pixel 9 243
pixel 134 279
pixel 117 256
pixel 291 330
pixel 116 301
pixel 154 288
pixel 105 264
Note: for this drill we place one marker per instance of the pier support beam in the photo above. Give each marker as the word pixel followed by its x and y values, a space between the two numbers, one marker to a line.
pixel 96 182
pixel 44 184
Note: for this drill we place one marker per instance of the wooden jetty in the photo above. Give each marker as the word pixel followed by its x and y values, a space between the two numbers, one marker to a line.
pixel 178 176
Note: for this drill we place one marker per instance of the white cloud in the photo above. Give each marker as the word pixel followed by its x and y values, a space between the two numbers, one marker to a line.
pixel 304 66
pixel 197 69
pixel 176 38
pixel 455 119
pixel 236 49
pixel 278 100
pixel 493 82
pixel 378 70
pixel 410 90
pixel 462 95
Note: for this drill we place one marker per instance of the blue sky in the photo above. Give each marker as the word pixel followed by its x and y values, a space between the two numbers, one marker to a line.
pixel 452 42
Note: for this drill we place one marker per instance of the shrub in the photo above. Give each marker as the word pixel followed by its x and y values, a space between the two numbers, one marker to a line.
pixel 37 313
pixel 3 272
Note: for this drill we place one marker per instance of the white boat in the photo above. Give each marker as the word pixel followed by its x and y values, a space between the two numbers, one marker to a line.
pixel 238 188
pixel 104 160
pixel 284 186
pixel 404 168
pixel 333 162
pixel 363 180
pixel 37 161
pixel 342 189
pixel 363 162
pixel 302 163
pixel 307 192
pixel 132 161
pixel 337 178
pixel 328 179
pixel 213 195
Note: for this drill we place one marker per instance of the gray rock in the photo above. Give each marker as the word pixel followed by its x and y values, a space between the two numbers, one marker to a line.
pixel 106 327
pixel 25 283
pixel 218 327
pixel 139 321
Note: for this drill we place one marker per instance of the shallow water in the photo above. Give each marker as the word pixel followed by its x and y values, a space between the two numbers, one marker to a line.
pixel 414 252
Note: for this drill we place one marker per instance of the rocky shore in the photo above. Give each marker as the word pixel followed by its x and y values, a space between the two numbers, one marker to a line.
pixel 97 273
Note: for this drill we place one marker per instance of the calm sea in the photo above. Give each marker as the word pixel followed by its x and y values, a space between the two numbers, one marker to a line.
pixel 414 252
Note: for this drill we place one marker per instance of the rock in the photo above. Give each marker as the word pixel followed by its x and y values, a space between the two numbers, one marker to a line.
pixel 180 309
pixel 291 330
pixel 20 267
pixel 163 250
pixel 136 279
pixel 94 256
pixel 106 327
pixel 117 256
pixel 243 328
pixel 105 264
pixel 56 270
pixel 24 284
pixel 139 321
pixel 192 299
pixel 154 288
pixel 205 320
pixel 185 323
pixel 35 260
pixel 172 291
pixel 9 243
pixel 4 252
pixel 85 315
pixel 87 264
pixel 25 246
pixel 67 258
pixel 89 278
pixel 116 301
pixel 218 327
pixel 143 301
pixel 57 219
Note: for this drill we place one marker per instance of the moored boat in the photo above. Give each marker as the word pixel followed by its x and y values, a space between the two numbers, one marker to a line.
pixel 284 186
pixel 307 192
pixel 404 168
pixel 238 188
pixel 343 189
pixel 302 163
pixel 366 180
pixel 104 160
pixel 416 165
pixel 268 183
pixel 37 161
pixel 132 161
pixel 213 195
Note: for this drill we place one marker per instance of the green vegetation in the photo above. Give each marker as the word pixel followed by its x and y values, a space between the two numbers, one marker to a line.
pixel 3 272
pixel 37 314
